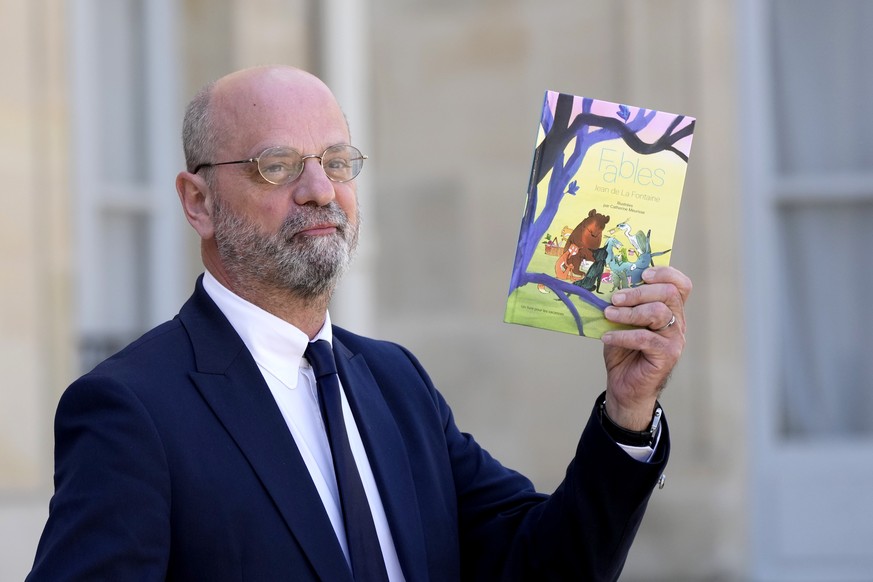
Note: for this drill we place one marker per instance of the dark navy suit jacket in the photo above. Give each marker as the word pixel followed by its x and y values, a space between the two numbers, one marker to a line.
pixel 173 461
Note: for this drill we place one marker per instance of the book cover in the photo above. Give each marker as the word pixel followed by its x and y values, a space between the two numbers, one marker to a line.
pixel 602 206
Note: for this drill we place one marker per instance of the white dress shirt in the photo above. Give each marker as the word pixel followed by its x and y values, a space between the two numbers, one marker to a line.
pixel 277 347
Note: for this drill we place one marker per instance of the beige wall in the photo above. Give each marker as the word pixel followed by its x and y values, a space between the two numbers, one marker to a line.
pixel 220 36
pixel 35 317
pixel 37 242
pixel 455 90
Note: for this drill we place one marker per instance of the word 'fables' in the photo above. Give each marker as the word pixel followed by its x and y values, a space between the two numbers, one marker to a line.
pixel 614 167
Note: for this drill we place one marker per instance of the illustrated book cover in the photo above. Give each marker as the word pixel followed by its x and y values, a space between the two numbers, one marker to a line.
pixel 602 206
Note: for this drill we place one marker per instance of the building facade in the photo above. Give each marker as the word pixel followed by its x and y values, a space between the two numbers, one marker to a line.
pixel 770 408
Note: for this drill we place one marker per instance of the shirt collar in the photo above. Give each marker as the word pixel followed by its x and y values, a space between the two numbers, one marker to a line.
pixel 276 345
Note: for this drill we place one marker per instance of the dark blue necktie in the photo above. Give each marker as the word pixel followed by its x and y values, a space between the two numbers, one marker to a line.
pixel 366 555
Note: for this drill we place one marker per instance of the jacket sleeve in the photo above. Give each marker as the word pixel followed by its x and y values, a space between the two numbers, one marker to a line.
pixel 582 531
pixel 586 528
pixel 109 516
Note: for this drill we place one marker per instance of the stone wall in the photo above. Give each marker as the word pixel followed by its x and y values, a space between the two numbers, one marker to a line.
pixel 454 90
pixel 458 88
pixel 35 229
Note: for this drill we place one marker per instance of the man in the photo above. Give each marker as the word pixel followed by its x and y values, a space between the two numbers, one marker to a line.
pixel 199 452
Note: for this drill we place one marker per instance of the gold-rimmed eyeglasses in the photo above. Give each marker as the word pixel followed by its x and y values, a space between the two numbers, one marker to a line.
pixel 281 165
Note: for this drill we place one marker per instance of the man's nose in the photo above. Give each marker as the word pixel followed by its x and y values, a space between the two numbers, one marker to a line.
pixel 313 185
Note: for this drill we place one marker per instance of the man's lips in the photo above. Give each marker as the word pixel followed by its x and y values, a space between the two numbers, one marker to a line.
pixel 318 230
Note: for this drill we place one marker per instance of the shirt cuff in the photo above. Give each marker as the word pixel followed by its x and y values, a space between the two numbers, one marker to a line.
pixel 642 454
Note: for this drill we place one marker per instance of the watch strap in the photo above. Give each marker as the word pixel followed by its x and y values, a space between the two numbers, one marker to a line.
pixel 623 436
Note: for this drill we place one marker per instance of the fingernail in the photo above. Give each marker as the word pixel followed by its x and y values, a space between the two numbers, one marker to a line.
pixel 619 298
pixel 648 274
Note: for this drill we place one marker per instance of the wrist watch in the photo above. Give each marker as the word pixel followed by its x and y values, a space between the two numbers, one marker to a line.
pixel 631 438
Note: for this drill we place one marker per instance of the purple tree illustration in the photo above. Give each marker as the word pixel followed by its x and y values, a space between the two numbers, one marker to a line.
pixel 560 128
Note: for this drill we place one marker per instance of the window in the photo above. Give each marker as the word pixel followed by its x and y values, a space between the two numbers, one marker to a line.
pixel 822 89
pixel 129 230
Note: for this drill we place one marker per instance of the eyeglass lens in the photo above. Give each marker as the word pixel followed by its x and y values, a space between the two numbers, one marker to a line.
pixel 281 165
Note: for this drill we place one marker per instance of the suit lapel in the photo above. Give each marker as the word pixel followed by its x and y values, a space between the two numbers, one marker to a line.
pixel 231 383
pixel 388 459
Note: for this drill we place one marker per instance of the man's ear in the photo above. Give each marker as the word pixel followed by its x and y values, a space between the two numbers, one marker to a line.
pixel 196 199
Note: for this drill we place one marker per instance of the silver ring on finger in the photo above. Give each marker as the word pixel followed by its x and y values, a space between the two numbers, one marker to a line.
pixel 669 323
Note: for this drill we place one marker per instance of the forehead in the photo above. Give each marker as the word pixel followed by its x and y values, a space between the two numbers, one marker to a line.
pixel 266 108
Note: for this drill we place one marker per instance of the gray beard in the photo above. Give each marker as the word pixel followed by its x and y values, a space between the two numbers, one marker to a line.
pixel 307 266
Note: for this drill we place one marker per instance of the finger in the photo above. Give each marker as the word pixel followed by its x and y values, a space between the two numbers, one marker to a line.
pixel 670 287
pixel 667 325
pixel 661 352
pixel 672 276
pixel 654 316
pixel 666 293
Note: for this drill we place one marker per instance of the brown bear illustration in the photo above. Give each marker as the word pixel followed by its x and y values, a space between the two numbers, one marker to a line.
pixel 587 236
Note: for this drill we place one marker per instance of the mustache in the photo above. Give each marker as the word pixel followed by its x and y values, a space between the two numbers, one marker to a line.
pixel 310 216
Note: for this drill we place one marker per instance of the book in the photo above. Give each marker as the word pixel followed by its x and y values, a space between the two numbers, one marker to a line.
pixel 602 206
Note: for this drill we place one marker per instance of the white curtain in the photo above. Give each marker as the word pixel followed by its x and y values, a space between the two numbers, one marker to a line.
pixel 826 265
pixel 823 118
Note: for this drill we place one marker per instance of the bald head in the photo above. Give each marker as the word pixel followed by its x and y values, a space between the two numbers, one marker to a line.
pixel 228 114
pixel 279 245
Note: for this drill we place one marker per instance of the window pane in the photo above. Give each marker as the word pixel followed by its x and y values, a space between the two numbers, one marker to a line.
pixel 123 131
pixel 822 86
pixel 124 286
pixel 827 363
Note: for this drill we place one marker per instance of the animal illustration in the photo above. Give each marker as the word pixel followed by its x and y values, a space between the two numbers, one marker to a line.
pixel 563 267
pixel 593 277
pixel 638 240
pixel 587 235
pixel 644 261
pixel 617 267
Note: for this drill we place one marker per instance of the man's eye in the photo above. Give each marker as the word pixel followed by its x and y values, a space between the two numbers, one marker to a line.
pixel 275 168
pixel 338 164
